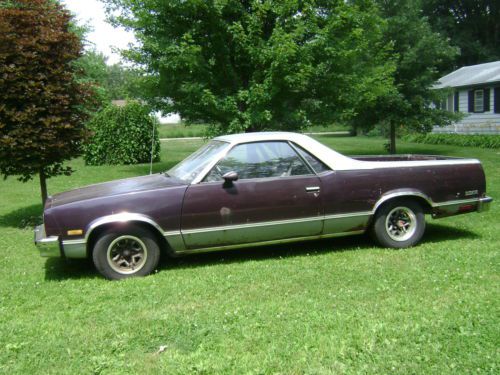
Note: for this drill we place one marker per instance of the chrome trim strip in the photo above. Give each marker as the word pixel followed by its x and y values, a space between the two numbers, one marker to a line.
pixel 460 201
pixel 275 222
pixel 351 214
pixel 264 243
pixel 122 217
pixel 251 225
pixel 402 193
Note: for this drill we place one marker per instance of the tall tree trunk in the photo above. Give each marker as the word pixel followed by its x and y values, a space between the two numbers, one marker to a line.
pixel 392 145
pixel 43 186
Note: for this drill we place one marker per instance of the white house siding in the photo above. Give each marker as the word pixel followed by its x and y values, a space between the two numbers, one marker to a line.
pixel 473 123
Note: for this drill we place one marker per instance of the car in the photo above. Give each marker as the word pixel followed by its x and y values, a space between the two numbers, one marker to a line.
pixel 252 189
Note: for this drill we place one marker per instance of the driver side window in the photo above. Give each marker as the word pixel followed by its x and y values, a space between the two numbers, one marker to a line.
pixel 260 160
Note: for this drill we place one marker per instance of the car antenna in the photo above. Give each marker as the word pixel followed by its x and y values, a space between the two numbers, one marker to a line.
pixel 152 148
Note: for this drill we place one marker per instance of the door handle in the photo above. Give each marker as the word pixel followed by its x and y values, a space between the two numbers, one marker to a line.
pixel 312 189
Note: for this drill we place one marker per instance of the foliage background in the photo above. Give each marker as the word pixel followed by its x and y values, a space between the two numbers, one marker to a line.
pixel 123 135
pixel 43 106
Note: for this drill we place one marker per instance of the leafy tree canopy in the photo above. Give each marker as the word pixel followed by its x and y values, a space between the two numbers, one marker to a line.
pixel 111 82
pixel 42 105
pixel 421 55
pixel 254 65
pixel 472 25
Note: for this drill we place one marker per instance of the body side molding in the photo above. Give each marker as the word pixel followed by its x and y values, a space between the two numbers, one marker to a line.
pixel 401 194
pixel 123 217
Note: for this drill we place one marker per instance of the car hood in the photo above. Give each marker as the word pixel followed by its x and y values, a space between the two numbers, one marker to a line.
pixel 111 188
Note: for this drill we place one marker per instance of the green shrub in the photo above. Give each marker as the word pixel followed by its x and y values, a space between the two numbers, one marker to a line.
pixel 122 135
pixel 470 140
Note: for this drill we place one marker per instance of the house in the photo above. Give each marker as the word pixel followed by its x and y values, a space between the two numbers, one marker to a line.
pixel 474 91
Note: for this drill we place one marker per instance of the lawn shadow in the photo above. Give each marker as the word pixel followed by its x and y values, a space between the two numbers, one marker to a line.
pixel 439 233
pixel 434 233
pixel 62 269
pixel 58 269
pixel 23 218
pixel 262 253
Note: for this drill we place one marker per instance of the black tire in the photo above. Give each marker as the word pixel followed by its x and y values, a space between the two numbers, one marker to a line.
pixel 399 224
pixel 131 251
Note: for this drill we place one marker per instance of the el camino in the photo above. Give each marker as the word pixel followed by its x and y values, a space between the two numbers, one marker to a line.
pixel 254 189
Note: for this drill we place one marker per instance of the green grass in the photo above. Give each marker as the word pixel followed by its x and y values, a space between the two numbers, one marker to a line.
pixel 182 130
pixel 200 130
pixel 342 306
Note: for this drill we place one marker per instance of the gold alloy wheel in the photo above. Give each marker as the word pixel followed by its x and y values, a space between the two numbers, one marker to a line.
pixel 127 254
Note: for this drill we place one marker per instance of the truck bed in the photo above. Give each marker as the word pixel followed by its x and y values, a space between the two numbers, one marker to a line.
pixel 403 157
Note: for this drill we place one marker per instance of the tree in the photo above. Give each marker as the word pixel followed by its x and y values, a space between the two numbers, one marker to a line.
pixel 421 55
pixel 472 25
pixel 42 105
pixel 255 65
pixel 111 82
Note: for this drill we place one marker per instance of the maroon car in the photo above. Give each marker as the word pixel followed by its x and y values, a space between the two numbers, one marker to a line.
pixel 255 189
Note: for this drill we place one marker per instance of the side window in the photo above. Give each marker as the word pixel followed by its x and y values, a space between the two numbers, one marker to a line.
pixel 260 160
pixel 315 163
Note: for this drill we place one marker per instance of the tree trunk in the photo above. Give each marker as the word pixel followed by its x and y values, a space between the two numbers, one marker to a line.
pixel 392 145
pixel 43 186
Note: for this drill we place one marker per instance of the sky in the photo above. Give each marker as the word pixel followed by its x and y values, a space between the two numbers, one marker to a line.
pixel 104 36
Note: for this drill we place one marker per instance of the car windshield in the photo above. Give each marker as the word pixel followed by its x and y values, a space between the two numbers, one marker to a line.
pixel 188 169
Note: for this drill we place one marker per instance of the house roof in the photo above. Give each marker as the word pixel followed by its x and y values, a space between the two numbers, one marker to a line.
pixel 471 76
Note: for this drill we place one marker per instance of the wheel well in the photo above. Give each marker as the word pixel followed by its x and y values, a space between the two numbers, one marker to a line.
pixel 415 198
pixel 97 232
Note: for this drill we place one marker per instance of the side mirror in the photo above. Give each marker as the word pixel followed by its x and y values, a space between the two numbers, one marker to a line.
pixel 230 177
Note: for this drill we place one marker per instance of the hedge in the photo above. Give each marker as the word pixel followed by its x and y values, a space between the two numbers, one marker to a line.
pixel 469 140
pixel 122 135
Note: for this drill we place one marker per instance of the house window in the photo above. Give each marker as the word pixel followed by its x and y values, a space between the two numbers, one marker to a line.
pixel 479 101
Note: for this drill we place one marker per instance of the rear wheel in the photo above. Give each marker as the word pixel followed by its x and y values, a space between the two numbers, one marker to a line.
pixel 399 224
pixel 126 252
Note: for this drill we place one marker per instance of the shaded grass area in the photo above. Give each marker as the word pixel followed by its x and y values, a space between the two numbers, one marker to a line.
pixel 342 306
pixel 200 130
pixel 182 130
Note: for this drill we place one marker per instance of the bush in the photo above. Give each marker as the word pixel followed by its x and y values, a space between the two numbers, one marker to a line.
pixel 122 135
pixel 470 140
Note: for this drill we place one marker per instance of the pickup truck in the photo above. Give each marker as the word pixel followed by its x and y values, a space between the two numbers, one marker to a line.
pixel 255 189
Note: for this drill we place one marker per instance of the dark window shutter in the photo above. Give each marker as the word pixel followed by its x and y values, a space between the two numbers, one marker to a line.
pixel 497 99
pixel 486 96
pixel 471 100
pixel 456 100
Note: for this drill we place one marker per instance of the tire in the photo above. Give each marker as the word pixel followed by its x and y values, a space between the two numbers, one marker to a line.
pixel 126 252
pixel 399 224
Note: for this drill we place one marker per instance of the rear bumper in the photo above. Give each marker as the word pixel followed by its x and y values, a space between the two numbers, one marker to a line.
pixel 484 204
pixel 48 246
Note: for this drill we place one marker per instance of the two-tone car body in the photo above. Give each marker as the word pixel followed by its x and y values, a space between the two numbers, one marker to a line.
pixel 256 189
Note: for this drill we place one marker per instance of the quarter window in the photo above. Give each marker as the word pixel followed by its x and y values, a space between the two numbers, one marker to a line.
pixel 479 101
pixel 315 163
pixel 260 160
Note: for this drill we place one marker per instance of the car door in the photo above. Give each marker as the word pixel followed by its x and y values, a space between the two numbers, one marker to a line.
pixel 276 197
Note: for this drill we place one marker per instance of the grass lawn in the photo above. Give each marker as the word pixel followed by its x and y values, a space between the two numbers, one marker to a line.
pixel 200 130
pixel 342 306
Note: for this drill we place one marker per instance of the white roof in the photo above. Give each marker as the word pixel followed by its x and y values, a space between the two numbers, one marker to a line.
pixel 471 75
pixel 331 158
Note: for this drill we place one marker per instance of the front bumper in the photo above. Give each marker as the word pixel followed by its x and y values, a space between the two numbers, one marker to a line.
pixel 48 246
pixel 484 204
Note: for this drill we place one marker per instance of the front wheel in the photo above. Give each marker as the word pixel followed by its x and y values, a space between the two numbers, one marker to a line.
pixel 399 224
pixel 126 252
